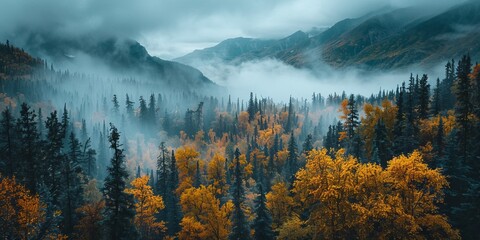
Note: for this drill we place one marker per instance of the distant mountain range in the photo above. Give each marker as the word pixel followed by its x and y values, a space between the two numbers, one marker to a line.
pixel 389 39
pixel 124 57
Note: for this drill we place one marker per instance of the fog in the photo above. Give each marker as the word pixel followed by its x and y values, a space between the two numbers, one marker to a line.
pixel 275 79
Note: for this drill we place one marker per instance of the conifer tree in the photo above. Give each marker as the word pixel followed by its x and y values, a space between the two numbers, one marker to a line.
pixel 463 108
pixel 240 229
pixel 119 205
pixel 172 201
pixel 263 220
pixel 28 147
pixel 7 143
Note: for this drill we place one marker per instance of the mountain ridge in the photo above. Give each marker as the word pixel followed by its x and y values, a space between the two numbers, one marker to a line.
pixel 388 39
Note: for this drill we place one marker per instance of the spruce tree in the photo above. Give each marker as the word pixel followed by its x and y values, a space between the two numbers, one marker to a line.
pixel 240 229
pixel 119 206
pixel 291 166
pixel 463 108
pixel 72 184
pixel 263 220
pixel 424 97
pixel 8 166
pixel 28 147
pixel 308 144
pixel 172 202
pixel 116 106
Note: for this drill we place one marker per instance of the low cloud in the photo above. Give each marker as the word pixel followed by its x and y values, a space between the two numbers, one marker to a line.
pixel 171 28
pixel 273 78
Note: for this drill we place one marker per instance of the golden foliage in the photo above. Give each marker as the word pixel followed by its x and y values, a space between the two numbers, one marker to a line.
pixel 203 215
pixel 280 204
pixel 147 205
pixel 366 201
pixel 216 175
pixel 21 213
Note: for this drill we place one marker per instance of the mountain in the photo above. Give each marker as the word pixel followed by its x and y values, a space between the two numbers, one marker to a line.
pixel 237 50
pixel 16 63
pixel 123 57
pixel 386 39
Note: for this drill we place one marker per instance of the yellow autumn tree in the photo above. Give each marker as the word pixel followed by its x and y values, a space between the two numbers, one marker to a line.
pixel 21 213
pixel 147 205
pixel 187 158
pixel 204 215
pixel 347 199
pixel 280 204
pixel 216 175
pixel 415 190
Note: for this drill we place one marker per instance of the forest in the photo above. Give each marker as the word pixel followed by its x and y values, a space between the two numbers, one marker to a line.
pixel 85 156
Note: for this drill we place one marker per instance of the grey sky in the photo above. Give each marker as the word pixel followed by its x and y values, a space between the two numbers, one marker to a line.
pixel 171 28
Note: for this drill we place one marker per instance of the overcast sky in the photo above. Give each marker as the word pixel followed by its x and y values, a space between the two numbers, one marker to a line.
pixel 172 28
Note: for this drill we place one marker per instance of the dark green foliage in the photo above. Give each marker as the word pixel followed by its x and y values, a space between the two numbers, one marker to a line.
pixel 381 145
pixel 291 165
pixel 308 144
pixel 240 229
pixel 424 97
pixel 28 143
pixel 116 106
pixel 463 108
pixel 263 220
pixel 172 201
pixel 72 196
pixel 8 165
pixel 119 206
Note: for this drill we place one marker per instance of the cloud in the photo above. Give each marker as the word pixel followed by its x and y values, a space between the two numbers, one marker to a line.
pixel 171 28
pixel 275 79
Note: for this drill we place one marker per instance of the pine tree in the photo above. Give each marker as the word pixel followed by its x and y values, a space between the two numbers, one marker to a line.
pixel 240 229
pixel 251 108
pixel 119 206
pixel 143 114
pixel 263 220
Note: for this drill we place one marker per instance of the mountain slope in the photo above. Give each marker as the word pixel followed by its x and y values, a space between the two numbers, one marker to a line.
pixel 123 57
pixel 386 39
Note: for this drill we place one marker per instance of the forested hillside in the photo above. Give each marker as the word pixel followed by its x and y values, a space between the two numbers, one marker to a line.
pixel 86 157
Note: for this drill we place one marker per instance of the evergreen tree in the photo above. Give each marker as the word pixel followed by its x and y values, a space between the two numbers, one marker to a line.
pixel 424 97
pixel 129 107
pixel 152 110
pixel 8 166
pixel 308 144
pixel 28 147
pixel 263 220
pixel 172 201
pixel 463 108
pixel 291 165
pixel 240 229
pixel 116 106
pixel 251 108
pixel 435 110
pixel 290 117
pixel 143 114
pixel 72 188
pixel 381 144
pixel 119 206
